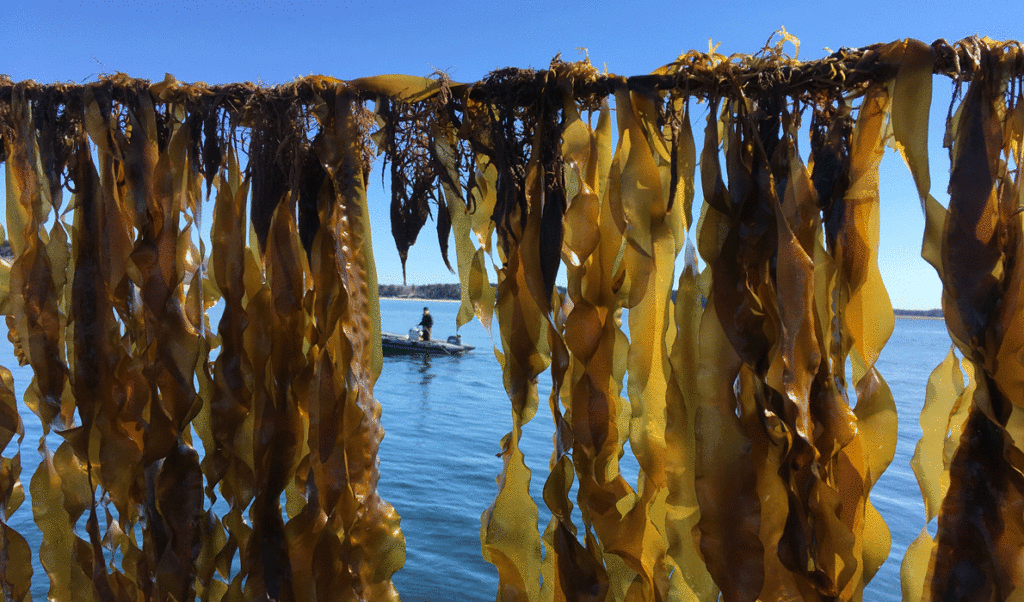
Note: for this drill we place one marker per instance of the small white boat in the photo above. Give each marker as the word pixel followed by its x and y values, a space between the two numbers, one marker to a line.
pixel 400 344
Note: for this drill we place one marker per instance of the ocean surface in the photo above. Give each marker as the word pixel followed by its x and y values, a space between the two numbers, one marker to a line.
pixel 444 417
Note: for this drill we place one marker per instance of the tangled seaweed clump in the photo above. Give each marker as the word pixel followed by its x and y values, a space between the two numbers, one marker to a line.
pixel 756 466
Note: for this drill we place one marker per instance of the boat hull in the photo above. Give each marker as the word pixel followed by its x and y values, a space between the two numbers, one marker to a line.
pixel 397 344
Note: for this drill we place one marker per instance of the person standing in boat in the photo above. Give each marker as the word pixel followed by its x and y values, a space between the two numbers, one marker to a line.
pixel 427 323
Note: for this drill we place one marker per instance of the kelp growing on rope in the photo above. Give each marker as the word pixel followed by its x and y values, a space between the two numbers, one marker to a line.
pixel 733 390
pixel 284 411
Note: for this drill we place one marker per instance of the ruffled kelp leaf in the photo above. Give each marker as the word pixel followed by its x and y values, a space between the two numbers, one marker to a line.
pixel 974 557
pixel 876 419
pixel 162 268
pixel 161 184
pixel 868 312
pixel 683 513
pixel 11 494
pixel 505 527
pixel 508 528
pixel 683 163
pixel 867 318
pixel 503 131
pixel 36 324
pixel 95 351
pixel 944 388
pixel 16 562
pixel 931 466
pixel 54 146
pixel 599 417
pixel 725 475
pixel 808 533
pixel 122 209
pixel 715 192
pixel 232 391
pixel 1008 369
pixel 973 226
pixel 15 553
pixel 830 165
pixel 213 152
pixel 276 362
pixel 25 191
pixel 649 273
pixel 740 288
pixel 56 549
pixel 365 545
pixel 914 569
pixel 179 494
pixel 639 176
pixel 570 571
pixel 541 202
pixel 213 539
pixel 979 530
pixel 310 182
pixel 911 103
pixel 471 267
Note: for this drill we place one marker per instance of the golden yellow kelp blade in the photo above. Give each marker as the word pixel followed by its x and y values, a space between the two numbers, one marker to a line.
pixel 941 424
pixel 690 577
pixel 869 320
pixel 755 464
pixel 912 94
pixel 404 88
pixel 15 553
pixel 508 531
pixel 980 242
pixel 944 389
pixel 367 542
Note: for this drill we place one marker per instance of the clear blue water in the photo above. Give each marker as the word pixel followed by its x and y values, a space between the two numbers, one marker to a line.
pixel 444 418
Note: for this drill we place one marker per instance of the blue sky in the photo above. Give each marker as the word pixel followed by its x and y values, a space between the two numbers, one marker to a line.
pixel 275 42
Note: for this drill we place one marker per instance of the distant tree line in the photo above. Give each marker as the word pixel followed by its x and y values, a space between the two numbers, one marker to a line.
pixel 422 291
pixel 427 291
pixel 918 313
pixel 452 292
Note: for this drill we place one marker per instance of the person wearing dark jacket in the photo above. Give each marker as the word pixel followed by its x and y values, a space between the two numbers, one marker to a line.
pixel 427 323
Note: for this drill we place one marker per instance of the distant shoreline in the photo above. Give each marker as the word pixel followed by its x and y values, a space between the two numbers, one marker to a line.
pixel 427 299
pixel 919 314
pixel 426 292
pixel 900 314
pixel 453 292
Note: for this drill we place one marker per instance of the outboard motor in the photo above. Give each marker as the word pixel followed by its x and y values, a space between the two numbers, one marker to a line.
pixel 455 339
pixel 415 333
